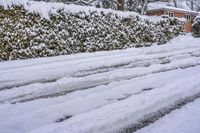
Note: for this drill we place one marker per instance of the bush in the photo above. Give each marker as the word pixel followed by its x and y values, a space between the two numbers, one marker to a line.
pixel 26 35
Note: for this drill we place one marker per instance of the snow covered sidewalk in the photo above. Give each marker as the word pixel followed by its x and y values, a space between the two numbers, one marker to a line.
pixel 97 92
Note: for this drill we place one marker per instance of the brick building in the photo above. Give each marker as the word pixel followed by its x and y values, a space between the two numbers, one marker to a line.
pixel 175 12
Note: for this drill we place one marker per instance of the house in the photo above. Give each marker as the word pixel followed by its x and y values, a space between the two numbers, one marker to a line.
pixel 175 12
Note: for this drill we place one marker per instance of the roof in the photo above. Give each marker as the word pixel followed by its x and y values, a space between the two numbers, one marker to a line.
pixel 154 6
pixel 175 9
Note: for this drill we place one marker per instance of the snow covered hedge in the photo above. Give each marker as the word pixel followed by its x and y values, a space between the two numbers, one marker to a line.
pixel 27 35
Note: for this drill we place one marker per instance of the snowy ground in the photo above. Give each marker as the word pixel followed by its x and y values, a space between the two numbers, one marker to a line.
pixel 103 92
pixel 185 120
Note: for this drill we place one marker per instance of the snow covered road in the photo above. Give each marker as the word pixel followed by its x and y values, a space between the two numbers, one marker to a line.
pixel 185 120
pixel 98 92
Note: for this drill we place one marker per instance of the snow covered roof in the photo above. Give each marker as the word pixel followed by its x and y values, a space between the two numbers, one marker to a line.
pixel 159 4
pixel 169 6
pixel 176 9
pixel 182 10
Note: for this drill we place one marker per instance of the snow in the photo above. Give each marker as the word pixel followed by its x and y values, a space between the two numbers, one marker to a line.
pixel 160 4
pixel 100 92
pixel 185 120
pixel 177 9
pixel 182 6
pixel 44 9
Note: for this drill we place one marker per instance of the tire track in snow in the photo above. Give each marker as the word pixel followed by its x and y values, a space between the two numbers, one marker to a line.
pixel 64 108
pixel 66 117
pixel 24 83
pixel 138 63
pixel 150 118
pixel 153 117
pixel 32 96
pixel 91 85
pixel 92 71
pixel 82 57
pixel 108 115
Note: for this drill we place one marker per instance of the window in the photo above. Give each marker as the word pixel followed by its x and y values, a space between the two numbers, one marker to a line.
pixel 188 17
pixel 170 14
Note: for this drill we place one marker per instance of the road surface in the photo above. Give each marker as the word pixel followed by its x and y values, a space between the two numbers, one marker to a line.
pixel 104 92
